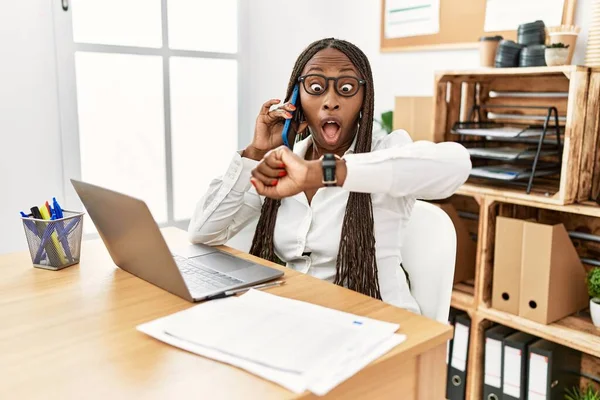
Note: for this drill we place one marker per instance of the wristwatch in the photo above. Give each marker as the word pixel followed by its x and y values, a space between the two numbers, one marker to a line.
pixel 328 162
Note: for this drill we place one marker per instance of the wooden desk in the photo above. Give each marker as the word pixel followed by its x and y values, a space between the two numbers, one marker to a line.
pixel 71 334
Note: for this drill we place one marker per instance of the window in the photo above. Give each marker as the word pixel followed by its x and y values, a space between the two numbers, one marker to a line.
pixel 156 97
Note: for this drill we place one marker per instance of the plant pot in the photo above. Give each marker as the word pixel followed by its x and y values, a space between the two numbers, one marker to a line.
pixel 568 38
pixel 556 56
pixel 595 311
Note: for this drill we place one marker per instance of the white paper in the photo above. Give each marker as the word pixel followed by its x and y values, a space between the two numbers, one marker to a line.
pixel 275 346
pixel 512 372
pixel 404 18
pixel 493 362
pixel 460 345
pixel 538 377
pixel 507 15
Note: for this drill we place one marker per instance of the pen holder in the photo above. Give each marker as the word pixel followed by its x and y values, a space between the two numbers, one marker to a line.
pixel 54 244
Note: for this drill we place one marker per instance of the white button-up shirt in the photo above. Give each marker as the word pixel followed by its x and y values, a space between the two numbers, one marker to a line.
pixel 396 172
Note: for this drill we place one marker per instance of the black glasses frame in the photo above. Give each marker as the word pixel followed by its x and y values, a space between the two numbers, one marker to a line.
pixel 361 82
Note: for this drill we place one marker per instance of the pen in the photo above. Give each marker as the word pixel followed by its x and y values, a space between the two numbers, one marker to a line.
pixel 30 224
pixel 229 293
pixel 59 250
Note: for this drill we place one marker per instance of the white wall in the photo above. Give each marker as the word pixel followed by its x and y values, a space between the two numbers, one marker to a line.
pixel 274 33
pixel 30 150
pixel 278 33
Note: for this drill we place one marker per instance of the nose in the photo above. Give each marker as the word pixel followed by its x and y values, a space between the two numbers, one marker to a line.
pixel 331 99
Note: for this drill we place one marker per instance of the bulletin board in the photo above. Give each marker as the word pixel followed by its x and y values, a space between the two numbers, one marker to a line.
pixel 412 25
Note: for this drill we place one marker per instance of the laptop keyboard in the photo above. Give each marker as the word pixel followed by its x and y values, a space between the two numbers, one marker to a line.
pixel 203 279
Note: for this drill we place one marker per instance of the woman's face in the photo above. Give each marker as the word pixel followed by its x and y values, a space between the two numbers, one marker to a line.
pixel 332 117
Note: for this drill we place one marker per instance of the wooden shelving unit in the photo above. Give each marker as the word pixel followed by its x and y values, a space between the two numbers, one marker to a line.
pixel 571 200
pixel 462 300
pixel 574 92
pixel 573 331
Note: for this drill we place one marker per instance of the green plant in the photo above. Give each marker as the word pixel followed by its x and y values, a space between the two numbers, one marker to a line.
pixel 575 393
pixel 557 46
pixel 593 282
pixel 386 121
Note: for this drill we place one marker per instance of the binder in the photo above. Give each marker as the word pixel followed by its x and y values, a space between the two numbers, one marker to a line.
pixel 455 387
pixel 451 320
pixel 514 370
pixel 552 369
pixel 492 380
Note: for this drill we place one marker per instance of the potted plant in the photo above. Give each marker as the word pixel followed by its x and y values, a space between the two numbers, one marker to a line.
pixel 556 54
pixel 593 284
pixel 386 121
pixel 576 393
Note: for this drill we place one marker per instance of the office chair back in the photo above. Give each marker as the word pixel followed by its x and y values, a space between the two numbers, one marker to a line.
pixel 428 255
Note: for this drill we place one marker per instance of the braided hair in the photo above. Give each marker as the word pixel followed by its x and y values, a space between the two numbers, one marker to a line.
pixel 356 266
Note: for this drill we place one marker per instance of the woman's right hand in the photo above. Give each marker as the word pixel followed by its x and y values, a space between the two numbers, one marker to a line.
pixel 267 132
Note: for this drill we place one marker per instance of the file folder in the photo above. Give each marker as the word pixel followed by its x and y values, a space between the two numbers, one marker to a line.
pixel 552 369
pixel 554 274
pixel 458 359
pixel 451 320
pixel 514 370
pixel 507 264
pixel 492 380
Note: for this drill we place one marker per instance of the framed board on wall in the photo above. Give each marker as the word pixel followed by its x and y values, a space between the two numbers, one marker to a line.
pixel 409 25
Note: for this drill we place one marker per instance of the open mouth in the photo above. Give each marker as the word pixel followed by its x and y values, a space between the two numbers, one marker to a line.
pixel 331 130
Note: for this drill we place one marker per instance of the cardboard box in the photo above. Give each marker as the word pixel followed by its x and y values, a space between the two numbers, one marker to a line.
pixel 552 276
pixel 507 264
pixel 415 116
pixel 466 248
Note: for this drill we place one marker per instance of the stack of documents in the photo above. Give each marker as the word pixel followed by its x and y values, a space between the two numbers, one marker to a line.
pixel 507 172
pixel 507 153
pixel 504 132
pixel 298 345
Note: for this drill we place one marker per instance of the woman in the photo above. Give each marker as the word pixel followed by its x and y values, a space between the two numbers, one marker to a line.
pixel 349 234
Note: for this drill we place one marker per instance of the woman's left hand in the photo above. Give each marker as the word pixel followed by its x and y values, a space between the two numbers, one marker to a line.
pixel 281 173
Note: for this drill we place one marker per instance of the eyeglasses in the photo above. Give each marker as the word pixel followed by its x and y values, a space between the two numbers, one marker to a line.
pixel 316 84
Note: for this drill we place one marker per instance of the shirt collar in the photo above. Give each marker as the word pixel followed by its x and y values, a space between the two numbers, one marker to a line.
pixel 302 146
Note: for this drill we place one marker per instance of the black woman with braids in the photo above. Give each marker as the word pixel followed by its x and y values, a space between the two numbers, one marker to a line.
pixel 335 205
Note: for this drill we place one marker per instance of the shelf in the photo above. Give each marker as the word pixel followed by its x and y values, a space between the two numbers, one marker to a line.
pixel 463 297
pixel 562 69
pixel 534 198
pixel 576 332
pixel 513 196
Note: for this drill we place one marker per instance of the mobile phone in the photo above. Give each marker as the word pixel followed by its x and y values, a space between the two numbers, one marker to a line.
pixel 288 122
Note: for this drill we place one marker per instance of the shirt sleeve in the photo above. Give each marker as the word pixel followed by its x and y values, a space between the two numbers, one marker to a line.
pixel 228 205
pixel 399 167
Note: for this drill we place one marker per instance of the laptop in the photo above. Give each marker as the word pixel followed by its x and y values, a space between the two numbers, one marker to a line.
pixel 137 246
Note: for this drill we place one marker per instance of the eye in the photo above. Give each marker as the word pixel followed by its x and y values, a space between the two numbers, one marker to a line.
pixel 315 87
pixel 347 88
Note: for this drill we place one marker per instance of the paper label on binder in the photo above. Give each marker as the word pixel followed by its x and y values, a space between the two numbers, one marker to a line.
pixel 493 362
pixel 538 377
pixel 512 372
pixel 460 346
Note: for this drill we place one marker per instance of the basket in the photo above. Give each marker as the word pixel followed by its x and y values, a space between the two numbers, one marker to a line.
pixel 54 244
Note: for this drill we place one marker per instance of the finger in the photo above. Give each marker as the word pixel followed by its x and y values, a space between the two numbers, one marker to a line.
pixel 267 181
pixel 261 189
pixel 278 115
pixel 286 156
pixel 273 172
pixel 264 110
pixel 288 107
pixel 273 160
